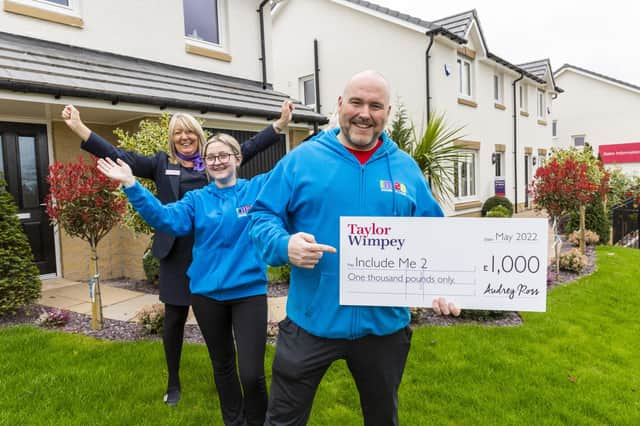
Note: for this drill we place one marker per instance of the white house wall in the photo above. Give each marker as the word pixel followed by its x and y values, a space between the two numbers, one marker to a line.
pixel 604 112
pixel 145 30
pixel 350 41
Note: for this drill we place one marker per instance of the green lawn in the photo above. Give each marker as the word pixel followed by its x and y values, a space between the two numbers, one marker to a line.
pixel 578 363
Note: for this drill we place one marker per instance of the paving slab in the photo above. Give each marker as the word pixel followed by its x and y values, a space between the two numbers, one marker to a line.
pixel 54 283
pixel 276 308
pixel 58 301
pixel 126 310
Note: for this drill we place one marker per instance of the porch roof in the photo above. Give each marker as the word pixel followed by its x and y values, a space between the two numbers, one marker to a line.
pixel 38 66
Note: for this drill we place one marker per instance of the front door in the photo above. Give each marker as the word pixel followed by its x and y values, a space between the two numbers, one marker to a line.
pixel 24 164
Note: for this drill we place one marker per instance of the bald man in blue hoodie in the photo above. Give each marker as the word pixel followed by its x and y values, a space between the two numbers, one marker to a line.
pixel 352 170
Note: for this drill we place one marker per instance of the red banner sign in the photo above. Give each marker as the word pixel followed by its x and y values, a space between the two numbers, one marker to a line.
pixel 620 153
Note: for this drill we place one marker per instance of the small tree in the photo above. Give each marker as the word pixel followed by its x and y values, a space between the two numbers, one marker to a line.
pixel 86 204
pixel 19 276
pixel 564 184
pixel 401 130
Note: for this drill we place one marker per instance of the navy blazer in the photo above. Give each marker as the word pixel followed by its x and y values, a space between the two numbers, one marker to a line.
pixel 159 169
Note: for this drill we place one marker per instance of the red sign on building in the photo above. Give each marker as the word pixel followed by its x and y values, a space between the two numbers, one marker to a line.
pixel 620 153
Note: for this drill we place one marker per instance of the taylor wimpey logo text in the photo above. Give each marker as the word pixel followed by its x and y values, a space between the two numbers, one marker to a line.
pixel 243 211
pixel 373 235
pixel 388 186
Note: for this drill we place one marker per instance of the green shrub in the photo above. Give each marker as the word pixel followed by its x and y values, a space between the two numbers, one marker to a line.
pixel 595 220
pixel 499 211
pixel 278 273
pixel 19 276
pixel 494 201
pixel 151 319
pixel 151 266
pixel 573 260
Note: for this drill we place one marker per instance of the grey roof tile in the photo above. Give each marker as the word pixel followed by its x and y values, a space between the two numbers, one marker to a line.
pixel 394 13
pixel 458 24
pixel 40 66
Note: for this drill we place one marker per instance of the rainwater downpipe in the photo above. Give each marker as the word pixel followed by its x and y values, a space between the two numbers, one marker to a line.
pixel 515 142
pixel 426 58
pixel 316 82
pixel 262 44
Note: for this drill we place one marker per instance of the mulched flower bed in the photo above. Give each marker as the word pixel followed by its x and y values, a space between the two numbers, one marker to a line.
pixel 129 331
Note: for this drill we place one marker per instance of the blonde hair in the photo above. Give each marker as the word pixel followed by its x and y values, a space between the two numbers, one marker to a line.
pixel 187 122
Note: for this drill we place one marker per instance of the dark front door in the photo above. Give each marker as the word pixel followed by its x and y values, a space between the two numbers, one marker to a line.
pixel 24 163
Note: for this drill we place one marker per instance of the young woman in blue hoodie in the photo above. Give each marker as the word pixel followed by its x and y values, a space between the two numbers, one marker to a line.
pixel 228 279
pixel 175 172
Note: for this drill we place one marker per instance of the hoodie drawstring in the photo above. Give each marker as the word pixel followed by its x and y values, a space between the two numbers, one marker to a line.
pixel 393 184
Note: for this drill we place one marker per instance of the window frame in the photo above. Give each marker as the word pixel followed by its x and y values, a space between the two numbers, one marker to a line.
pixel 524 98
pixel 70 14
pixel 541 103
pixel 203 47
pixel 498 85
pixel 574 137
pixel 470 185
pixel 463 63
pixel 302 92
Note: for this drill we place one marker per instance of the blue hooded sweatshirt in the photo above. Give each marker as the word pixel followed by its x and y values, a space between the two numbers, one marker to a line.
pixel 225 263
pixel 310 189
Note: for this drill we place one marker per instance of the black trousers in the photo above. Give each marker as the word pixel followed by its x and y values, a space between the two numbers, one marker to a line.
pixel 376 364
pixel 246 320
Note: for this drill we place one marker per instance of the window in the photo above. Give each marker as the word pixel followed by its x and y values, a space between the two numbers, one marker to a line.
pixel 66 12
pixel 578 140
pixel 465 174
pixel 308 90
pixel 554 128
pixel 498 157
pixel 497 88
pixel 464 77
pixel 541 103
pixel 201 20
pixel 523 98
pixel 204 28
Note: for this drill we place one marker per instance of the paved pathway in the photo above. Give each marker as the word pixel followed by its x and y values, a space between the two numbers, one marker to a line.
pixel 121 304
pixel 117 303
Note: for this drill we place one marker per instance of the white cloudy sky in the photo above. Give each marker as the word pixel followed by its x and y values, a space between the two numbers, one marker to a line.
pixel 600 36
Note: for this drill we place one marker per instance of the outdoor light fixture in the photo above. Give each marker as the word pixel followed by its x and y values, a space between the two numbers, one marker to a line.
pixel 533 160
pixel 494 158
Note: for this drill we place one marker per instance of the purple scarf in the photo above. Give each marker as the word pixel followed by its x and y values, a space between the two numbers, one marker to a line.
pixel 198 164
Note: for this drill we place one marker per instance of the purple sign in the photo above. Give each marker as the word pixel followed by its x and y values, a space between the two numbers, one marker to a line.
pixel 498 186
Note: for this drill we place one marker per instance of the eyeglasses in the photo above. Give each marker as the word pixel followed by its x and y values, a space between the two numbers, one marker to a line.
pixel 223 157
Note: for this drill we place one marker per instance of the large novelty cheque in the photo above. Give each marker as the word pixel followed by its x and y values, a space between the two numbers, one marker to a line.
pixel 490 263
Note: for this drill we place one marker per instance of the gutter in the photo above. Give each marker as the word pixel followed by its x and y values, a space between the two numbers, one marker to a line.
pixel 262 43
pixel 515 142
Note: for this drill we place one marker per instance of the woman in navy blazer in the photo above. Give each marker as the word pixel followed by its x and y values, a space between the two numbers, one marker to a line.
pixel 175 173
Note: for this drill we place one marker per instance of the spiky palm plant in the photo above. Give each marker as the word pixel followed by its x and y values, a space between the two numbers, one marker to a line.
pixel 436 155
